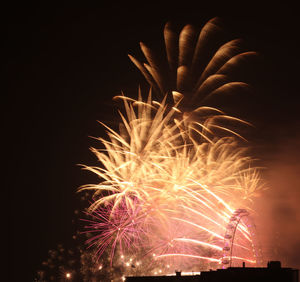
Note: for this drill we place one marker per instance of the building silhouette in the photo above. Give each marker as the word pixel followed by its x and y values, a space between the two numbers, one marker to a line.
pixel 272 273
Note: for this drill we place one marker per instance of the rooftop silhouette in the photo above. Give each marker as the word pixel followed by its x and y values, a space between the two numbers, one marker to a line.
pixel 272 273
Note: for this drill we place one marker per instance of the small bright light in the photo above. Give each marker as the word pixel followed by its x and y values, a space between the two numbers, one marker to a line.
pixel 127 264
pixel 160 271
pixel 131 259
pixel 100 267
pixel 122 256
pixel 68 275
pixel 123 278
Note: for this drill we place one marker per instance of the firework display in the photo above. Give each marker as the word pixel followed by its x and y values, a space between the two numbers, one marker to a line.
pixel 175 171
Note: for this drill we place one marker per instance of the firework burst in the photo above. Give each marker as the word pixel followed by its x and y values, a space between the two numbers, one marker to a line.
pixel 169 179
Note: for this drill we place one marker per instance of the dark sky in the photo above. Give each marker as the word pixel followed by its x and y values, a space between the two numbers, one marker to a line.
pixel 66 62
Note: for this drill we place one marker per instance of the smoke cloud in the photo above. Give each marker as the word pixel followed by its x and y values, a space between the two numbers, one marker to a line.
pixel 279 208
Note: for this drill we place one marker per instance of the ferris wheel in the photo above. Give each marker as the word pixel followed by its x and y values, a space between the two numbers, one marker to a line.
pixel 241 222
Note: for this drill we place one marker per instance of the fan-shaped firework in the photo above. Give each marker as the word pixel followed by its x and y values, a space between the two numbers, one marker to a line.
pixel 198 65
pixel 169 182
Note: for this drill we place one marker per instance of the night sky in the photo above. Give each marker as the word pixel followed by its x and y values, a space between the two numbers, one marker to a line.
pixel 65 63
